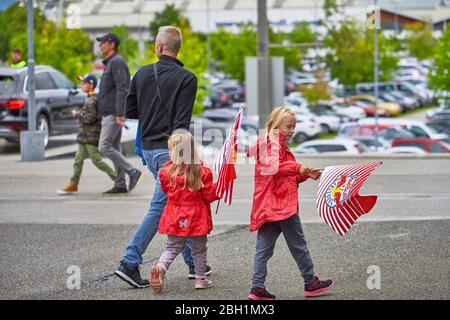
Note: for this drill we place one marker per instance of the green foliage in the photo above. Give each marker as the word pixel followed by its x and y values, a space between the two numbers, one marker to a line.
pixel 128 47
pixel 13 22
pixel 230 50
pixel 440 77
pixel 169 16
pixel 351 60
pixel 316 92
pixel 302 33
pixel 67 50
pixel 420 41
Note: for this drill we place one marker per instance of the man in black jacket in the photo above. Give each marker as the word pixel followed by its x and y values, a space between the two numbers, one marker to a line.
pixel 159 115
pixel 111 101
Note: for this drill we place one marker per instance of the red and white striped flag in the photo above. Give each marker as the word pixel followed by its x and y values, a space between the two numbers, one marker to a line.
pixel 224 165
pixel 338 201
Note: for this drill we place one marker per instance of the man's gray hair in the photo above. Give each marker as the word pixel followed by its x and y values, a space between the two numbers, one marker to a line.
pixel 170 37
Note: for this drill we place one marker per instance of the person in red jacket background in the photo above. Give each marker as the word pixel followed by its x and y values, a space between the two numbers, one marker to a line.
pixel 275 204
pixel 190 191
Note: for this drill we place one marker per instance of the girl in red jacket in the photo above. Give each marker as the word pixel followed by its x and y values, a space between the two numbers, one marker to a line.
pixel 190 190
pixel 275 205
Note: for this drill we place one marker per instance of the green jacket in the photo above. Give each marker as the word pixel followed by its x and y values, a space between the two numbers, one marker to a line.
pixel 19 64
pixel 90 122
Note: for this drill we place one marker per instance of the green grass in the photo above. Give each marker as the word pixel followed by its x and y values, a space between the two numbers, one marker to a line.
pixel 330 135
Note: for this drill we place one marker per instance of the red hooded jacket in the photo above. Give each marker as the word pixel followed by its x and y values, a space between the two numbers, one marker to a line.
pixel 277 178
pixel 187 213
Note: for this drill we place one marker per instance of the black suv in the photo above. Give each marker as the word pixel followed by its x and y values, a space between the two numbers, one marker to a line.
pixel 55 96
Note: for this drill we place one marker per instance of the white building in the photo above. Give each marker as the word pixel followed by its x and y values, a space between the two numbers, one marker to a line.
pixel 97 17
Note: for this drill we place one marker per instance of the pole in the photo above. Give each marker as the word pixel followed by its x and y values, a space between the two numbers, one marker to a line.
pixel 375 54
pixel 31 97
pixel 264 97
pixel 208 39
pixel 218 204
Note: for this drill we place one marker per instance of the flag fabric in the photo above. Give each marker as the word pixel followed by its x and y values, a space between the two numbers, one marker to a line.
pixel 338 202
pixel 224 164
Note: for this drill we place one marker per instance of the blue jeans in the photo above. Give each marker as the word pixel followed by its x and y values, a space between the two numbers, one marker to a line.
pixel 149 226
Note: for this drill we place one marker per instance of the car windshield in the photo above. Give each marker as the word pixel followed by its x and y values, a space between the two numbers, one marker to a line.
pixel 6 85
pixel 439 128
pixel 433 130
pixel 392 133
pixel 322 112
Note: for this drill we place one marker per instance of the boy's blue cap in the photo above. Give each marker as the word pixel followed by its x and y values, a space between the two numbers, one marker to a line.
pixel 88 78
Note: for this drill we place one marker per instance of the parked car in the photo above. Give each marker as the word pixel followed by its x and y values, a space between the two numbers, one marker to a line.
pixel 391 107
pixel 407 150
pixel 369 108
pixel 216 99
pixel 441 118
pixel 411 90
pixel 337 145
pixel 327 122
pixel 232 89
pixel 353 113
pixel 428 145
pixel 55 96
pixel 306 129
pixel 416 127
pixel 371 143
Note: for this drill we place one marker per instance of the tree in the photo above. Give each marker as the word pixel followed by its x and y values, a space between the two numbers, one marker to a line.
pixel 169 16
pixel 128 47
pixel 13 21
pixel 230 49
pixel 316 92
pixel 67 50
pixel 440 77
pixel 352 54
pixel 420 41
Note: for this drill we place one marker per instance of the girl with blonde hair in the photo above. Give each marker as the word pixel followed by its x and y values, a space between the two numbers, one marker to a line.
pixel 275 207
pixel 190 191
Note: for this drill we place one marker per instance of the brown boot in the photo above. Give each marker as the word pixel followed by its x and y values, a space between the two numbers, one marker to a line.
pixel 69 189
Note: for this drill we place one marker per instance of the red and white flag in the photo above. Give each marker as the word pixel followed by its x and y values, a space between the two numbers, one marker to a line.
pixel 224 165
pixel 338 201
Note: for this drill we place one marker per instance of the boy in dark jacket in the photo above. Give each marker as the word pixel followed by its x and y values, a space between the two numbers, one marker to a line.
pixel 88 136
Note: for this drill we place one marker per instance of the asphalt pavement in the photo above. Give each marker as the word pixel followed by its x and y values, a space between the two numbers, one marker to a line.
pixel 45 237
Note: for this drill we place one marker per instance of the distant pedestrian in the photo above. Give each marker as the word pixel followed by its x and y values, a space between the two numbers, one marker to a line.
pixel 112 95
pixel 275 207
pixel 88 136
pixel 16 58
pixel 190 190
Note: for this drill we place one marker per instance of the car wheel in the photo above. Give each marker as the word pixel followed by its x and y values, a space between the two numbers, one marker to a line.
pixel 300 137
pixel 325 128
pixel 44 126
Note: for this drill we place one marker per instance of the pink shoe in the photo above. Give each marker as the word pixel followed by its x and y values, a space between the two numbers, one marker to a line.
pixel 203 283
pixel 157 278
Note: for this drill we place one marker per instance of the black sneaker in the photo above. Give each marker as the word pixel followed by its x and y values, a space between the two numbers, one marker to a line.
pixel 116 191
pixel 131 275
pixel 317 287
pixel 134 178
pixel 191 274
pixel 260 294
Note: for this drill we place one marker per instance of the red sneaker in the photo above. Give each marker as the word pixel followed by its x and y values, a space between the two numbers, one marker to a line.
pixel 317 287
pixel 260 294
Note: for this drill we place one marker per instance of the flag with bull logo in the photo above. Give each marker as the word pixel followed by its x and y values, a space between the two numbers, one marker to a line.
pixel 224 165
pixel 338 202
